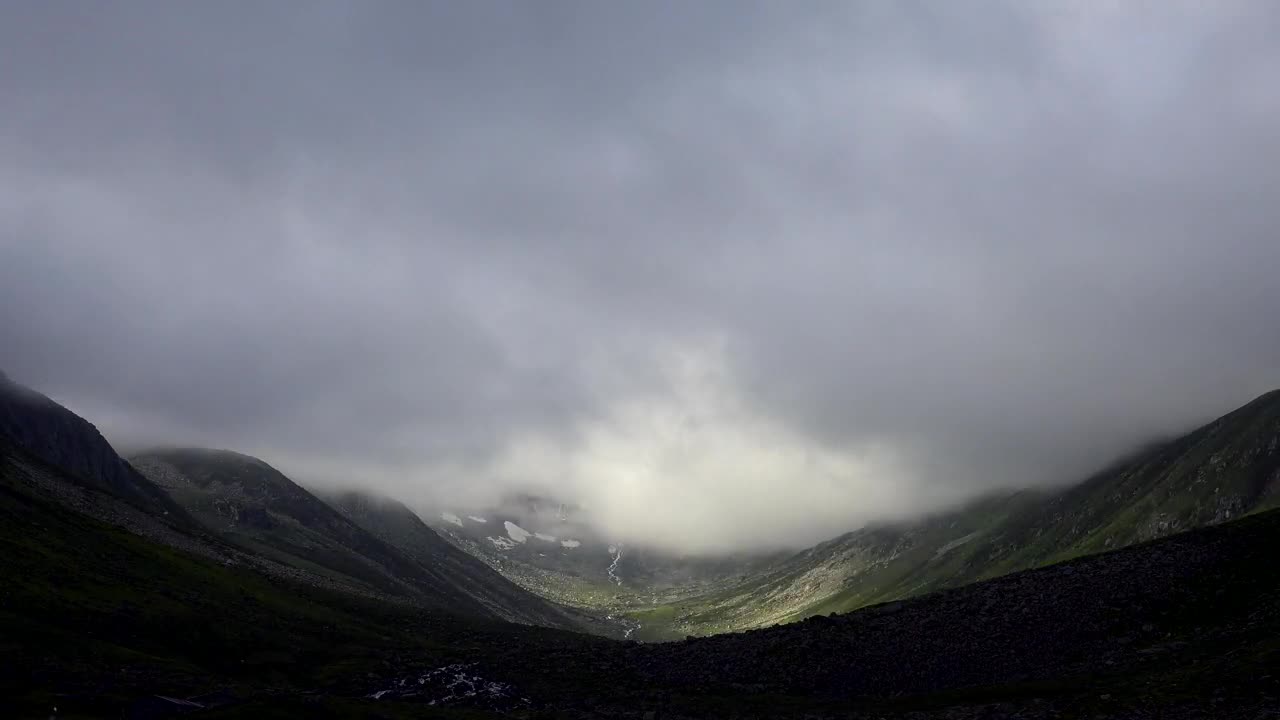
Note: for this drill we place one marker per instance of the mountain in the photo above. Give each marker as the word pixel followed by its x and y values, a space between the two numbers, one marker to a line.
pixel 99 622
pixel 67 441
pixel 257 508
pixel 397 525
pixel 239 510
pixel 1226 469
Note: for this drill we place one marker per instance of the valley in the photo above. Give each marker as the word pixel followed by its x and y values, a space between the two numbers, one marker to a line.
pixel 1148 590
pixel 552 549
pixel 547 360
pixel 1223 470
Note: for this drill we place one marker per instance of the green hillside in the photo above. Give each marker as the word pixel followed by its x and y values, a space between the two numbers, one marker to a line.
pixel 1226 469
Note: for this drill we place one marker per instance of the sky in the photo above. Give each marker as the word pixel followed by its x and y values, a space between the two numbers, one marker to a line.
pixel 731 275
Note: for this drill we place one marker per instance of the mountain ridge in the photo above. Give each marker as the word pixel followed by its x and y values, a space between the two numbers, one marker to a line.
pixel 393 522
pixel 238 509
pixel 251 504
pixel 39 424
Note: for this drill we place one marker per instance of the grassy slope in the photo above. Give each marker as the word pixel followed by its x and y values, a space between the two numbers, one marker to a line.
pixel 253 505
pixel 1225 469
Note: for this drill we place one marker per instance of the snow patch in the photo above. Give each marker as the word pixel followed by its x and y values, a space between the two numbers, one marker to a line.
pixel 477 519
pixel 502 543
pixel 955 544
pixel 570 543
pixel 516 532
pixel 450 517
pixel 544 536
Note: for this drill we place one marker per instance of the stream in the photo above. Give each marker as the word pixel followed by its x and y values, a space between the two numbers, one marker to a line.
pixel 629 625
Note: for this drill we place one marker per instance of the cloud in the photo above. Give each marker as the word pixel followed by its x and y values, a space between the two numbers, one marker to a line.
pixel 731 274
pixel 697 468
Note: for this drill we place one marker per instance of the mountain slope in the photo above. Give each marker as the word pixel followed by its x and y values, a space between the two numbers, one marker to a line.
pixel 65 440
pixel 63 459
pixel 541 542
pixel 1225 469
pixel 552 549
pixel 1125 630
pixel 256 507
pixel 252 505
pixel 398 526
pixel 93 616
pixel 272 524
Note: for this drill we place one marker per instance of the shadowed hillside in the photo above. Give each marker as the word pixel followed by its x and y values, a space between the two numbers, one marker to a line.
pixel 255 507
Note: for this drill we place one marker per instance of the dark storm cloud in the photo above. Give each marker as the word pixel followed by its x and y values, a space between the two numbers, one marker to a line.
pixel 776 269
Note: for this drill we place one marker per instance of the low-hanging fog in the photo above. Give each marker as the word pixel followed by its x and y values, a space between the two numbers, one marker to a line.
pixel 731 275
